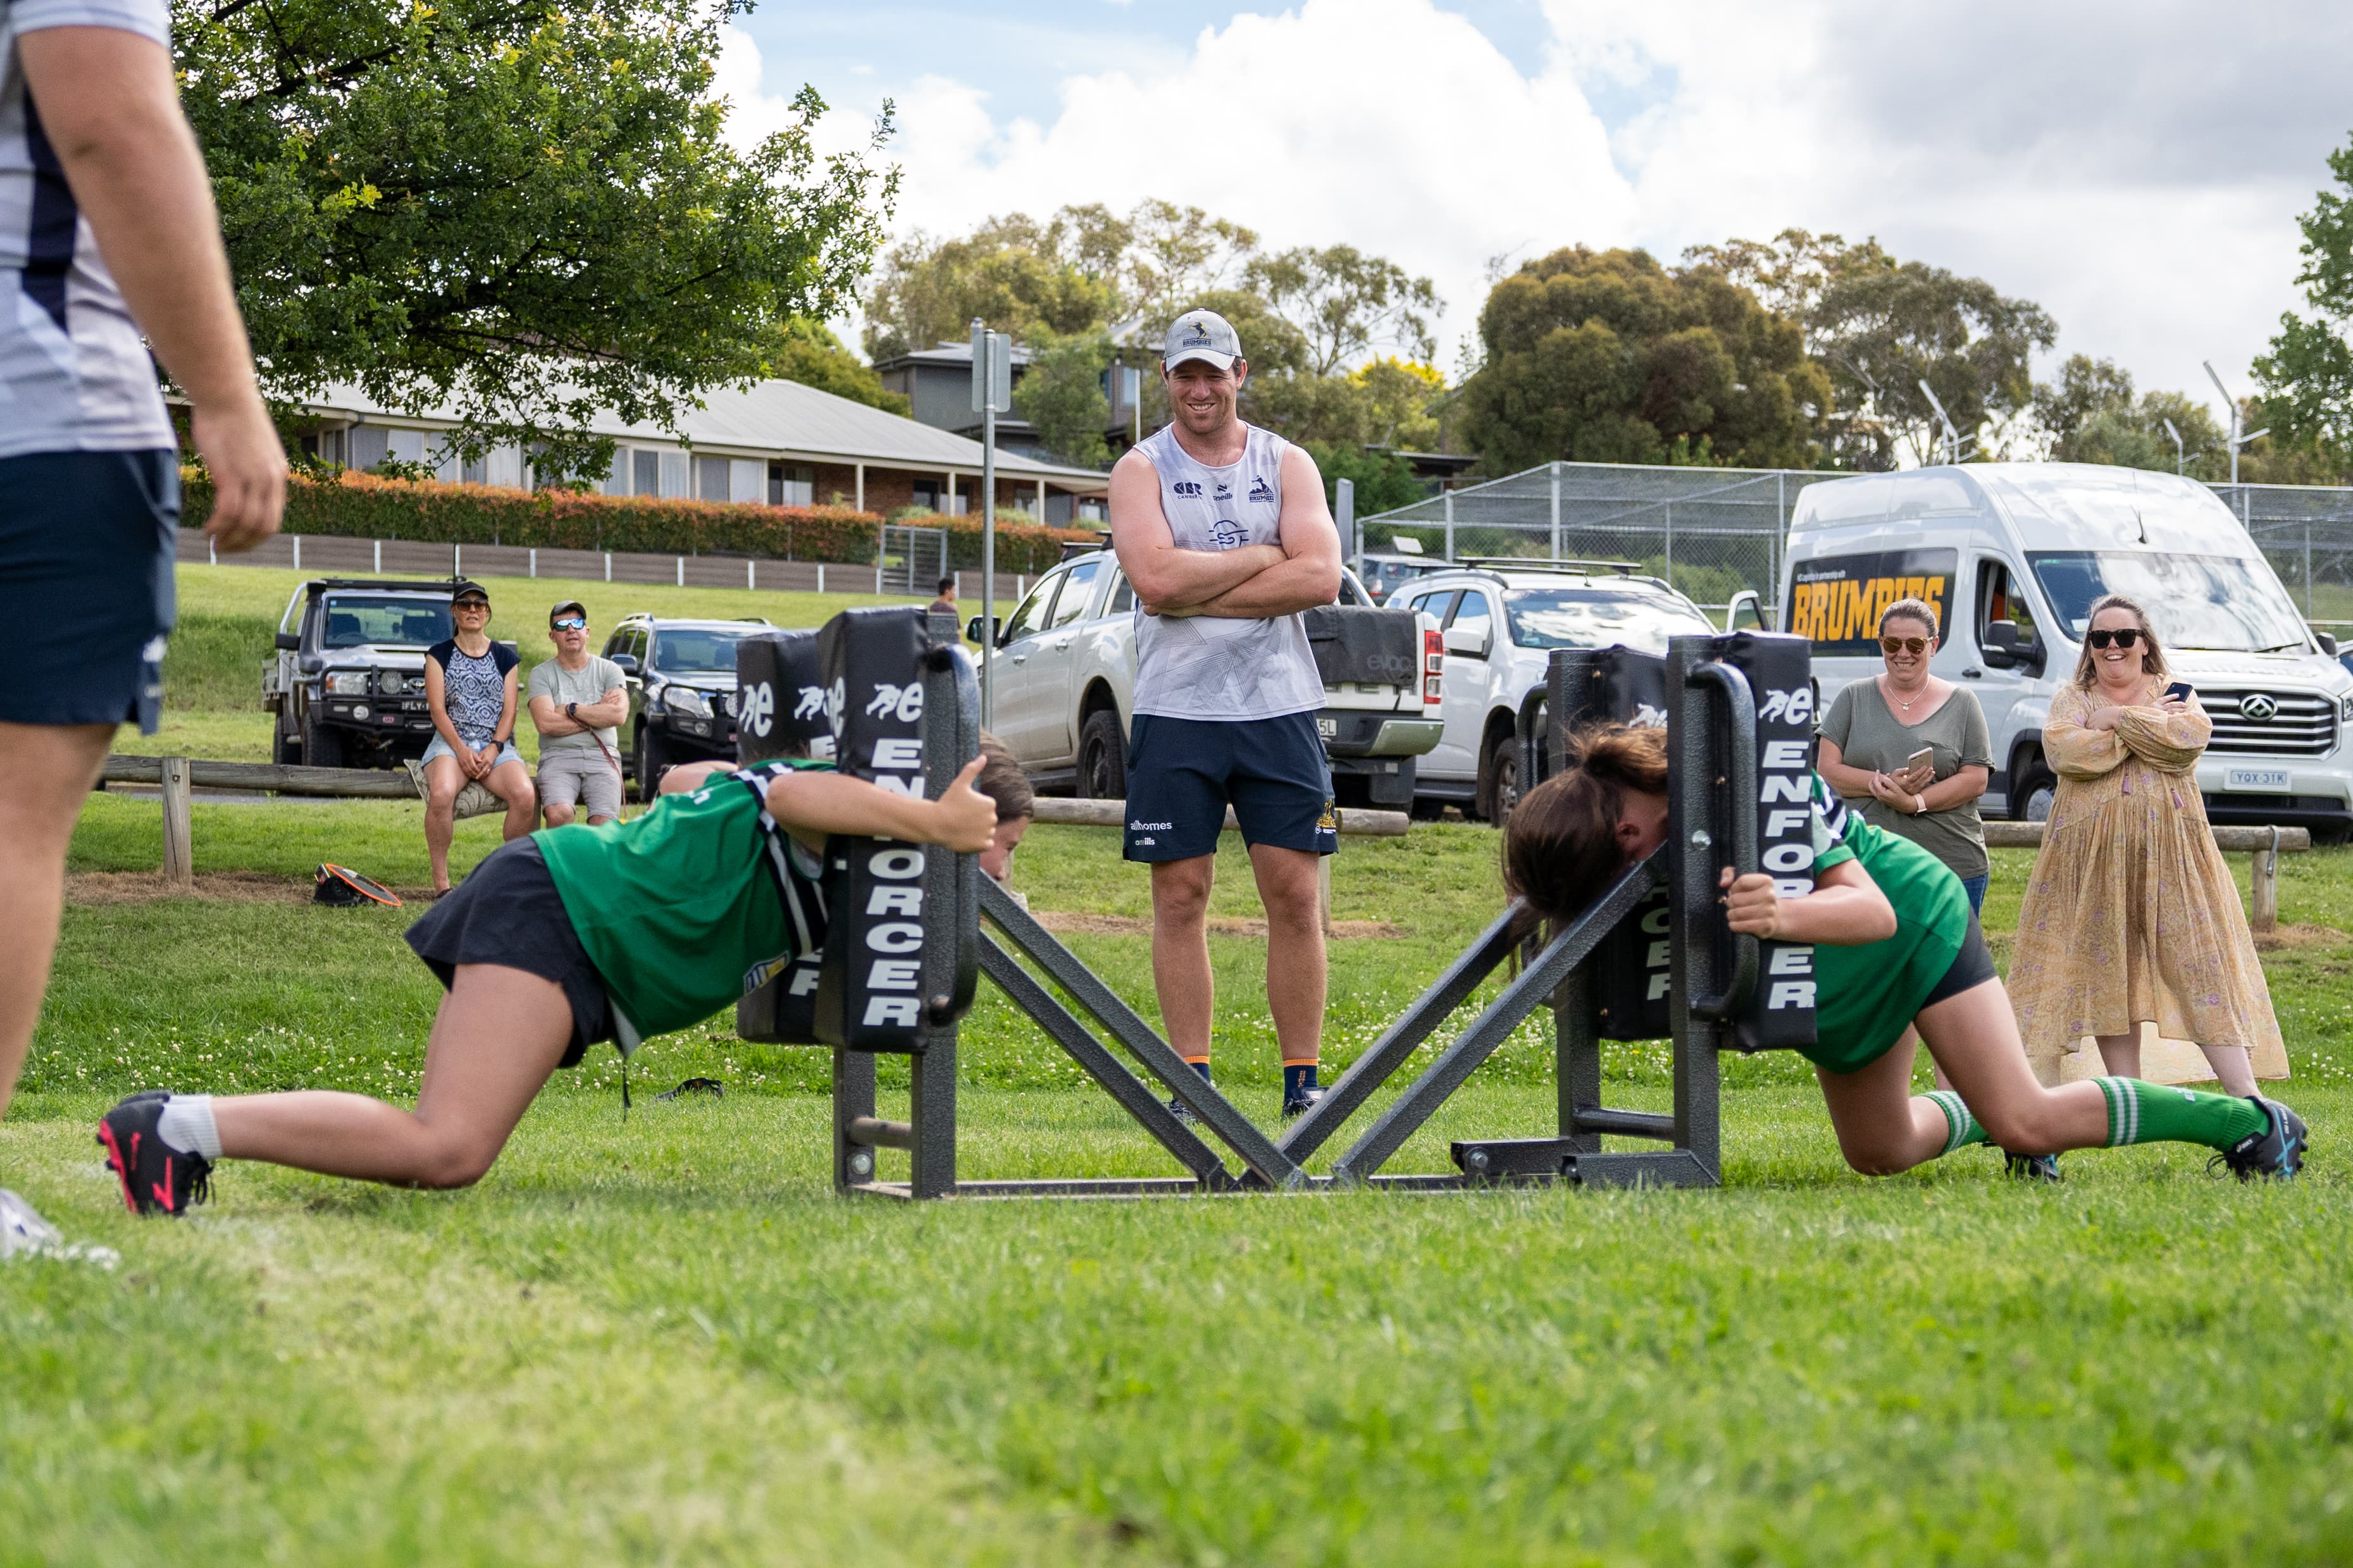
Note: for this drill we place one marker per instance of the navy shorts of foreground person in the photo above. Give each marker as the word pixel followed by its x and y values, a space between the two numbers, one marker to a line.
pixel 86 584
pixel 1181 773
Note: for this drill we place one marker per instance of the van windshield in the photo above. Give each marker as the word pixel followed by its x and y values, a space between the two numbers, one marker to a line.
pixel 2223 603
pixel 699 650
pixel 1597 618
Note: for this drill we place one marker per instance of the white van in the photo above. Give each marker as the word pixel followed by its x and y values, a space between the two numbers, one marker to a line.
pixel 2013 554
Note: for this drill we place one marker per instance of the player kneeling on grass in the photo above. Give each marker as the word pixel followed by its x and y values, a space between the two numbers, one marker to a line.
pixel 1894 947
pixel 558 941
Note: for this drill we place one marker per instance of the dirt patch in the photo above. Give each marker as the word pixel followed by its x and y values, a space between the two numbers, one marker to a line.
pixel 1069 922
pixel 2289 938
pixel 225 887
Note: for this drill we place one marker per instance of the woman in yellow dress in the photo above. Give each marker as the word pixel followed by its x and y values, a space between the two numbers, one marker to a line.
pixel 2131 916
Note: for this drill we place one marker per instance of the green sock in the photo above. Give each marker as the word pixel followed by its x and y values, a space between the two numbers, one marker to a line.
pixel 2142 1112
pixel 1962 1129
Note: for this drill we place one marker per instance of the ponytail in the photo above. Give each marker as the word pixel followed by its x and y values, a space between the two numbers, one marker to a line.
pixel 1560 845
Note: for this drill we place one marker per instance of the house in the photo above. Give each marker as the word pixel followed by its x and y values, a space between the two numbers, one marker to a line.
pixel 776 442
pixel 938 382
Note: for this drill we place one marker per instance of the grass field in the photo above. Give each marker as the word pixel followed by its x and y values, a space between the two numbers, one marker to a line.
pixel 664 1340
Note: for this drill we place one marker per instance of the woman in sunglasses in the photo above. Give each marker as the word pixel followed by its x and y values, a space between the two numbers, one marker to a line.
pixel 1876 730
pixel 2131 917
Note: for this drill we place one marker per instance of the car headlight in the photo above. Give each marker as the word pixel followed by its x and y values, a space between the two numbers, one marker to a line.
pixel 2344 708
pixel 688 701
pixel 347 683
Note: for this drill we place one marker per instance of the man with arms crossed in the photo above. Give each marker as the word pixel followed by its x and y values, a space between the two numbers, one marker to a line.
pixel 1222 530
pixel 107 232
pixel 578 704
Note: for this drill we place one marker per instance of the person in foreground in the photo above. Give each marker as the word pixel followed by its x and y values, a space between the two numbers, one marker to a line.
pixel 557 941
pixel 1895 946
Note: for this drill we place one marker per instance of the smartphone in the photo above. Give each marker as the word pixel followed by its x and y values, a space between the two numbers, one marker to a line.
pixel 2178 692
pixel 1923 757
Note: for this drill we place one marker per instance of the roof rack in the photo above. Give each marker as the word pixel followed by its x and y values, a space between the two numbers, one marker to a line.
pixel 392 585
pixel 1072 547
pixel 1543 564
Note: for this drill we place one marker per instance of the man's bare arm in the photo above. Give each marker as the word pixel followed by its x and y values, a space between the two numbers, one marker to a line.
pixel 111 109
pixel 1166 577
pixel 1309 573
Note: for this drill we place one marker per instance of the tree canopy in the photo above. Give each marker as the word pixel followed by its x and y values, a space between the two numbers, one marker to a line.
pixel 524 211
pixel 1608 356
pixel 2092 416
pixel 2308 376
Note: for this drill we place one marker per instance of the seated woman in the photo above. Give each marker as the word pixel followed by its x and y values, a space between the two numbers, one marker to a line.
pixel 558 941
pixel 1895 946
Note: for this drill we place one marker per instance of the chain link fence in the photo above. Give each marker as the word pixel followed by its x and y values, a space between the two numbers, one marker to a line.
pixel 1715 531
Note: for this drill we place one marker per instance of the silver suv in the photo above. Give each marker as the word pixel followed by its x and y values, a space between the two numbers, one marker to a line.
pixel 1500 621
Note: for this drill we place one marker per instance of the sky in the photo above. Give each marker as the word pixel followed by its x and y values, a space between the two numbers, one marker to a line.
pixel 2135 170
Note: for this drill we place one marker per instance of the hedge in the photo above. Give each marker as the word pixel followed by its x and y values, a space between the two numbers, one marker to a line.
pixel 363 506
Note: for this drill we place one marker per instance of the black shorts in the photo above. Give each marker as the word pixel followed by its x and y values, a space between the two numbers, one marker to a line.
pixel 1183 772
pixel 1971 967
pixel 509 913
pixel 86 584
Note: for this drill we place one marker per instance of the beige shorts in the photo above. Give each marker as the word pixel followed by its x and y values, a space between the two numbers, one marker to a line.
pixel 584 778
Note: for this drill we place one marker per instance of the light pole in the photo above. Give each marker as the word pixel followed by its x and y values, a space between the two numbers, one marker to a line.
pixel 1952 436
pixel 2177 443
pixel 2231 403
pixel 992 394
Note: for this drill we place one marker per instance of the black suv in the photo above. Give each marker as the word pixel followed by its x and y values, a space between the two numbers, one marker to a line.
pixel 348 681
pixel 682 681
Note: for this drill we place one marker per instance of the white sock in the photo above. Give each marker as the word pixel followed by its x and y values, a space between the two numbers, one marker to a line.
pixel 187 1125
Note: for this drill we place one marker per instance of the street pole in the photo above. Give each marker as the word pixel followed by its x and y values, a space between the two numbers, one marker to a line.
pixel 1343 515
pixel 984 353
pixel 2170 430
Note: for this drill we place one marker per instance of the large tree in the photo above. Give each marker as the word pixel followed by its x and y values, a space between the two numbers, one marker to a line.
pixel 2308 376
pixel 2091 414
pixel 1608 356
pixel 523 210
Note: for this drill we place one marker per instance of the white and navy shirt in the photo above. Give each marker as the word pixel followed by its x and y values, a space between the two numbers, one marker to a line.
pixel 1202 667
pixel 75 376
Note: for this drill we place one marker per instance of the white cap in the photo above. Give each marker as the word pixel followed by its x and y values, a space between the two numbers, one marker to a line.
pixel 1202 335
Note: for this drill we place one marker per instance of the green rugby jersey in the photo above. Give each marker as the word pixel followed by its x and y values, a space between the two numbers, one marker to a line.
pixel 690 905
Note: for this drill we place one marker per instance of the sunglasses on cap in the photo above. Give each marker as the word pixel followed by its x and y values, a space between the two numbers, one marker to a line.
pixel 1904 645
pixel 2124 636
pixel 569 624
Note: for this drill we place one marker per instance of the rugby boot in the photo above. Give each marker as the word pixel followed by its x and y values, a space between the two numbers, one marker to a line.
pixel 156 1178
pixel 1300 1103
pixel 2276 1153
pixel 2030 1167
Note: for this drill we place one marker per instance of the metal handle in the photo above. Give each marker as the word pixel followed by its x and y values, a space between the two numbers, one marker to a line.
pixel 1740 707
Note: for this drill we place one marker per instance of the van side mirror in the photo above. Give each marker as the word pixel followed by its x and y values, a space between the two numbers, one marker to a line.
pixel 2327 644
pixel 2004 648
pixel 290 642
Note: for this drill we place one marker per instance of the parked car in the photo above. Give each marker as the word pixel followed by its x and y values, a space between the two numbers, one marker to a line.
pixel 1062 688
pixel 681 680
pixel 1500 621
pixel 347 680
pixel 1383 576
pixel 2012 555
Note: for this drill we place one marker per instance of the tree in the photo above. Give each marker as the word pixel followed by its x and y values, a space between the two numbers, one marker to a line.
pixel 2090 414
pixel 524 212
pixel 1346 303
pixel 2308 376
pixel 1062 395
pixel 1019 276
pixel 1606 356
pixel 814 357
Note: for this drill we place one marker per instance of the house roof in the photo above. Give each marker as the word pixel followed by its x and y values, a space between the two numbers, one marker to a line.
pixel 781 419
pixel 947 353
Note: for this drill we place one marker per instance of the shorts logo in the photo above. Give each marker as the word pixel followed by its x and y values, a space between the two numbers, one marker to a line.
pixel 1328 822
pixel 1145 843
pixel 1151 827
pixel 1185 488
pixel 1260 490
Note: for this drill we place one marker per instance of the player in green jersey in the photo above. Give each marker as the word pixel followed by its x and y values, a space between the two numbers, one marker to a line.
pixel 557 941
pixel 1896 948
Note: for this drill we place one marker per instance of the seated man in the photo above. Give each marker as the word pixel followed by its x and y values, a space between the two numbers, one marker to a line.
pixel 556 940
pixel 578 703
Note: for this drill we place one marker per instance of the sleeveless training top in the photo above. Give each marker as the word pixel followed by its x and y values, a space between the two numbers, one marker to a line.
pixel 1200 667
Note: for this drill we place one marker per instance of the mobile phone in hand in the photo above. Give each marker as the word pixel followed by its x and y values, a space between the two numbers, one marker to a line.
pixel 1923 758
pixel 2178 692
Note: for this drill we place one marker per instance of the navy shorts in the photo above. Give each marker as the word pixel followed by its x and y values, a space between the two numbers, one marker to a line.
pixel 1183 772
pixel 509 913
pixel 86 584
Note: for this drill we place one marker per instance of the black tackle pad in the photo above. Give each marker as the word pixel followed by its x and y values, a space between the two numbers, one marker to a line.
pixel 780 708
pixel 1780 679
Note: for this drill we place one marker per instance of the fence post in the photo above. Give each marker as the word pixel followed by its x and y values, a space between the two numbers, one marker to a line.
pixel 298 551
pixel 608 566
pixel 1449 523
pixel 1671 544
pixel 212 556
pixel 534 560
pixel 2307 570
pixel 379 557
pixel 1556 509
pixel 2265 886
pixel 457 559
pixel 179 850
pixel 821 577
pixel 682 570
pixel 751 574
pixel 878 577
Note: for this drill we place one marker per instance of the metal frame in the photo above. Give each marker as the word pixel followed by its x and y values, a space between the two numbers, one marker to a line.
pixel 1712 796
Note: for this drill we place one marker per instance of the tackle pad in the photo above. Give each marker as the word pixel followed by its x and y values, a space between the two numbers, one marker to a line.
pixel 780 712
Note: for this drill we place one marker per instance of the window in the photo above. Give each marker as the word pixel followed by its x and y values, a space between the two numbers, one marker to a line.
pixel 369 445
pixel 354 621
pixel 674 480
pixel 1123 597
pixel 1472 614
pixel 2223 603
pixel 2000 600
pixel 710 478
pixel 701 650
pixel 1077 590
pixel 792 486
pixel 1094 508
pixel 1437 603
pixel 645 473
pixel 1032 615
pixel 1597 618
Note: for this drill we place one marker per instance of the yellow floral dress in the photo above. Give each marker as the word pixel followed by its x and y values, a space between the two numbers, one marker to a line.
pixel 2132 916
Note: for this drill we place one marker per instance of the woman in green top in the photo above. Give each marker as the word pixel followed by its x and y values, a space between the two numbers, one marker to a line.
pixel 1895 947
pixel 558 941
pixel 1874 729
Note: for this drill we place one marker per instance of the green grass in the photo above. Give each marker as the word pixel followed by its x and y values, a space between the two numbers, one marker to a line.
pixel 664 1340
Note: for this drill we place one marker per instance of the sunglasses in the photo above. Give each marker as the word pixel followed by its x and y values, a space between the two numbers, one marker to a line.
pixel 569 624
pixel 1904 645
pixel 471 604
pixel 2125 637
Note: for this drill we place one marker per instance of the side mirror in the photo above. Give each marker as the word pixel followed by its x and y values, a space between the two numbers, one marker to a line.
pixel 1466 643
pixel 290 642
pixel 983 628
pixel 626 663
pixel 2327 644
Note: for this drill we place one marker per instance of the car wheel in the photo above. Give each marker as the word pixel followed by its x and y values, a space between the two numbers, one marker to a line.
pixel 1503 791
pixel 2030 796
pixel 321 747
pixel 653 761
pixel 1102 757
pixel 284 749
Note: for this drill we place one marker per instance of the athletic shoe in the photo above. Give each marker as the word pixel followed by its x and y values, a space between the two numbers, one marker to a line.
pixel 1183 1112
pixel 2030 1167
pixel 2277 1152
pixel 1302 1103
pixel 156 1178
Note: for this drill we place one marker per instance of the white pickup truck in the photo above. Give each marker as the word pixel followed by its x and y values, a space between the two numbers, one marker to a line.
pixel 1063 686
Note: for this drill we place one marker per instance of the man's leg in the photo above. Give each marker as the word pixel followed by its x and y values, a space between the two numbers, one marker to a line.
pixel 558 788
pixel 1295 960
pixel 443 779
pixel 511 782
pixel 1180 953
pixel 45 772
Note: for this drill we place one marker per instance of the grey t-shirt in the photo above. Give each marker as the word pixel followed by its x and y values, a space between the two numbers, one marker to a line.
pixel 588 684
pixel 1867 736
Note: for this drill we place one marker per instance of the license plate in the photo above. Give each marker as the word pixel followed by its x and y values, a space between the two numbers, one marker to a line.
pixel 2270 781
pixel 1330 730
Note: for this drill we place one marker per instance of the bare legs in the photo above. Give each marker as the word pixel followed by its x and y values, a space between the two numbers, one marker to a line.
pixel 45 772
pixel 444 781
pixel 499 1034
pixel 1295 949
pixel 2120 1054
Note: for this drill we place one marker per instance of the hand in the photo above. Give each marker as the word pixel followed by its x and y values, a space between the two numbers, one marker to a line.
pixel 485 760
pixel 1914 781
pixel 248 464
pixel 2174 705
pixel 1750 905
pixel 963 818
pixel 1884 789
pixel 2103 718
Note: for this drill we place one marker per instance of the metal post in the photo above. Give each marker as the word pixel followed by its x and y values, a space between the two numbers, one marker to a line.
pixel 179 848
pixel 379 557
pixel 1344 517
pixel 1671 544
pixel 2307 570
pixel 1556 510
pixel 1449 525
pixel 984 382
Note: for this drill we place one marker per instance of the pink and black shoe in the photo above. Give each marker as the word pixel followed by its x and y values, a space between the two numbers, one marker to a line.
pixel 156 1178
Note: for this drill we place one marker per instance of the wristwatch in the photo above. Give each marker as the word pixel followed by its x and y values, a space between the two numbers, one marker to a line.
pixel 572 711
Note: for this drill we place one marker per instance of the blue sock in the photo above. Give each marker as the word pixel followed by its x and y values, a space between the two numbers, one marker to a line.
pixel 1202 1067
pixel 1297 1076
